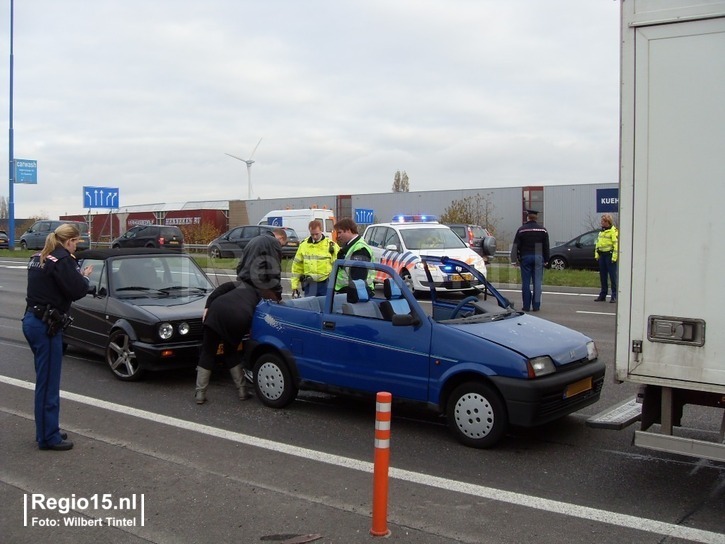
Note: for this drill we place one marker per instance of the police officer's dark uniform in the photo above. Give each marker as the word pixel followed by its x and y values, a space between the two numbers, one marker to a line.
pixel 52 286
pixel 531 251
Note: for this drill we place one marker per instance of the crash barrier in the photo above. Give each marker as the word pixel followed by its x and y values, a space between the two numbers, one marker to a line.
pixel 381 465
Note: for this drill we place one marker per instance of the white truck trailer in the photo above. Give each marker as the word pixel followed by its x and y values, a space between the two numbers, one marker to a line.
pixel 670 335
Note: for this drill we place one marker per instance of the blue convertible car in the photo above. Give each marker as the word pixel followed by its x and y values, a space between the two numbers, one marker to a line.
pixel 477 360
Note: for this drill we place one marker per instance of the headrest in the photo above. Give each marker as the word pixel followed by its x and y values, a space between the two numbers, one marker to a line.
pixel 357 291
pixel 391 289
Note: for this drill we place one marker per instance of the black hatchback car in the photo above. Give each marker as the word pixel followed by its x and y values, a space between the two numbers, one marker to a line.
pixel 576 253
pixel 231 243
pixel 145 313
pixel 151 236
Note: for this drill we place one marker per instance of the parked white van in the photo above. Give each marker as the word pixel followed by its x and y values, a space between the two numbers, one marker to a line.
pixel 299 220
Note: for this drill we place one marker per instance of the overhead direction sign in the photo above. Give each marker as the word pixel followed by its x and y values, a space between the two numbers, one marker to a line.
pixel 364 216
pixel 100 197
pixel 26 171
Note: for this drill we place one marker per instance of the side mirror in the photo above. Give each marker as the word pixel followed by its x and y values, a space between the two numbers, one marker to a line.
pixel 404 320
pixel 392 247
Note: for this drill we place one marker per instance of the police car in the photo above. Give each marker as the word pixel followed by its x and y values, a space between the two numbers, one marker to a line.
pixel 401 243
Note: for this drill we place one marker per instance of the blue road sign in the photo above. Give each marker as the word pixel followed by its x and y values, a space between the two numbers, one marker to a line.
pixel 100 197
pixel 364 216
pixel 275 221
pixel 26 171
pixel 607 200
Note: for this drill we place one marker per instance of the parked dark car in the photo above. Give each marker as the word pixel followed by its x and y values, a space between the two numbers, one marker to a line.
pixel 151 236
pixel 4 240
pixel 475 236
pixel 145 313
pixel 34 237
pixel 231 243
pixel 576 253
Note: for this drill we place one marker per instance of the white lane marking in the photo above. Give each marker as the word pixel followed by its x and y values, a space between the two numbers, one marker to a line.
pixel 595 313
pixel 510 497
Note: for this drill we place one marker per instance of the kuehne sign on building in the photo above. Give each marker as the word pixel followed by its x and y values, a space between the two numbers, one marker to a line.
pixel 607 200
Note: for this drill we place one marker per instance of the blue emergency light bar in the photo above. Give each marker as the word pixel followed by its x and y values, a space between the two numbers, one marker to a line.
pixel 415 219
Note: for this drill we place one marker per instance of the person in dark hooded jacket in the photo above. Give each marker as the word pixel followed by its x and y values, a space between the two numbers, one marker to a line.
pixel 230 308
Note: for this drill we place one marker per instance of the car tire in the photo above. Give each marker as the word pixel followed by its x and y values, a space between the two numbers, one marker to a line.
pixel 477 415
pixel 121 358
pixel 215 253
pixel 408 281
pixel 273 381
pixel 23 245
pixel 557 263
pixel 115 246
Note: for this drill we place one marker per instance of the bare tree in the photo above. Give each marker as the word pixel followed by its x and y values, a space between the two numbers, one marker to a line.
pixel 475 209
pixel 4 208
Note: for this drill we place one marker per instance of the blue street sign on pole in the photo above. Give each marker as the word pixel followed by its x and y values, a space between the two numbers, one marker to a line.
pixel 100 197
pixel 26 171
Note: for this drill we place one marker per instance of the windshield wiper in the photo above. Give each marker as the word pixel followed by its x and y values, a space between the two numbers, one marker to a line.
pixel 180 287
pixel 140 288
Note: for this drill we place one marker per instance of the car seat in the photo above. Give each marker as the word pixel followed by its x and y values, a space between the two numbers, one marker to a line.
pixel 135 273
pixel 394 302
pixel 358 301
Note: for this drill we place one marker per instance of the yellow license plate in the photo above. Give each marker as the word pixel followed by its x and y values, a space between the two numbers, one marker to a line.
pixel 460 277
pixel 575 388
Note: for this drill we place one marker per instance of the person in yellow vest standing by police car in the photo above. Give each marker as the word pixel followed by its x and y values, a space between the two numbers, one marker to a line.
pixel 606 252
pixel 354 248
pixel 312 264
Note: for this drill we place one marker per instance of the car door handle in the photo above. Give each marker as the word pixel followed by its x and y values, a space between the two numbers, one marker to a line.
pixel 328 325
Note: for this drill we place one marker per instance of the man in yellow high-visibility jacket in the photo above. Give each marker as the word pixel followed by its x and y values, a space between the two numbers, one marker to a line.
pixel 312 264
pixel 606 251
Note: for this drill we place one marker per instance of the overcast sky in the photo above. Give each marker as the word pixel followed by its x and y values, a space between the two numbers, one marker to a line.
pixel 148 96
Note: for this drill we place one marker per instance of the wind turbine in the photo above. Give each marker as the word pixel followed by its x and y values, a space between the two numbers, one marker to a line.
pixel 249 163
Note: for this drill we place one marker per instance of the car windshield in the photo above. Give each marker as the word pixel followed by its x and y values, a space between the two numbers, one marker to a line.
pixel 431 238
pixel 478 232
pixel 163 275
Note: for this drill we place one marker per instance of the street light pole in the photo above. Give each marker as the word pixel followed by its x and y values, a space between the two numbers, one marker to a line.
pixel 11 156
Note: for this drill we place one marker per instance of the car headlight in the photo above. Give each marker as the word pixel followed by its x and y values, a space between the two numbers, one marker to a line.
pixel 592 350
pixel 541 366
pixel 166 331
pixel 184 328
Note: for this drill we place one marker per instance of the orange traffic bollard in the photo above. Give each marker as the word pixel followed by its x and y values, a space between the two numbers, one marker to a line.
pixel 383 415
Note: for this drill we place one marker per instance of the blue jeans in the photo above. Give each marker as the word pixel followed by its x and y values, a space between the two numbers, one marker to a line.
pixel 532 270
pixel 607 269
pixel 48 353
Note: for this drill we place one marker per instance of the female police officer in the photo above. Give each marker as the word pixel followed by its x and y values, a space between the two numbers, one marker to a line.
pixel 54 281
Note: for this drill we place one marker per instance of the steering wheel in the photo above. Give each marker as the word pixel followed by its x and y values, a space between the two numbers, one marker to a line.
pixel 461 304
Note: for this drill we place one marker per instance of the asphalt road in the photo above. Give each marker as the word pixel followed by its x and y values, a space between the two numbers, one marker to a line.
pixel 239 472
